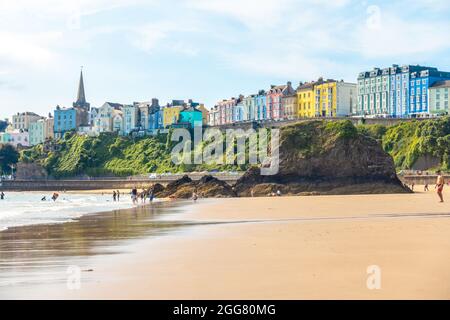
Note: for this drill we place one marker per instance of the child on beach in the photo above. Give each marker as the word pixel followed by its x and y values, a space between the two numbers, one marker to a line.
pixel 2 196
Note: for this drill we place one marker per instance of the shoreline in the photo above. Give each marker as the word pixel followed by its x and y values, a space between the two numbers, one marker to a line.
pixel 278 248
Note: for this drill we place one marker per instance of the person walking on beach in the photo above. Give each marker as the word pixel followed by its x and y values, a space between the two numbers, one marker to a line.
pixel 426 187
pixel 194 196
pixel 134 195
pixel 440 186
pixel 143 195
pixel 114 196
pixel 151 196
pixel 2 196
pixel 118 195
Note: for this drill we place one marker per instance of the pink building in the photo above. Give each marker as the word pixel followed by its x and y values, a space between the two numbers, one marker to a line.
pixel 275 107
pixel 226 109
pixel 15 138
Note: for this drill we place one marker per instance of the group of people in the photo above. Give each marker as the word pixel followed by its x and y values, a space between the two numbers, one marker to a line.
pixel 116 195
pixel 142 196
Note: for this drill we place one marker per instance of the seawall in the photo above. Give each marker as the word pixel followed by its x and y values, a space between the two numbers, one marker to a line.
pixel 422 179
pixel 103 184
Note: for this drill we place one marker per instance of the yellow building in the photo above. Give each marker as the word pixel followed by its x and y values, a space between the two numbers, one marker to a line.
pixel 329 98
pixel 171 115
pixel 325 99
pixel 306 100
pixel 205 112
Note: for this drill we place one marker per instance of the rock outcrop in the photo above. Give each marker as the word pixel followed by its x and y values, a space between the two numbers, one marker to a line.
pixel 325 158
pixel 206 187
pixel 319 157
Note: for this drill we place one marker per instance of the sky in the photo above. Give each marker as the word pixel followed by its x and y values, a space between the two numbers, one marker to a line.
pixel 206 50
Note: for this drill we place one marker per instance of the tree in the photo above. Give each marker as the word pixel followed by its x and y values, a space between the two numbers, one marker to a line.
pixel 8 156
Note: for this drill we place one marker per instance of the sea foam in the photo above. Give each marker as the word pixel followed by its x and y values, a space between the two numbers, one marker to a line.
pixel 26 208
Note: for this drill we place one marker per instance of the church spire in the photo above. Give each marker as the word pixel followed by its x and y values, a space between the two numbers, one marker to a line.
pixel 81 96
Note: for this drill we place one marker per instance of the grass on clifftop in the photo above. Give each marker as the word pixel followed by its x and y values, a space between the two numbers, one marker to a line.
pixel 310 138
pixel 109 154
pixel 407 141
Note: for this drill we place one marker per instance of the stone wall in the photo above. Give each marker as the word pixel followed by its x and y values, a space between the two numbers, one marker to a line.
pixel 422 179
pixel 30 171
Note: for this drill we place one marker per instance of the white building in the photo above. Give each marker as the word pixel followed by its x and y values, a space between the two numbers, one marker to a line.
pixel 22 121
pixel 40 131
pixel 438 98
pixel 130 118
pixel 117 122
pixel 104 120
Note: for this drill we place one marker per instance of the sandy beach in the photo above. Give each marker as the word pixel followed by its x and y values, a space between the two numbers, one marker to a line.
pixel 317 247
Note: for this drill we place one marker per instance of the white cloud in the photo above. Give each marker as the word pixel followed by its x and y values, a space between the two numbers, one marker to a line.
pixel 395 37
pixel 255 14
pixel 148 37
pixel 29 49
pixel 164 35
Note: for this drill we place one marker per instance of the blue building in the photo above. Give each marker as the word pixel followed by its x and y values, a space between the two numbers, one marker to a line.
pixel 155 117
pixel 191 117
pixel 420 82
pixel 67 119
pixel 238 114
pixel 261 105
pixel 397 91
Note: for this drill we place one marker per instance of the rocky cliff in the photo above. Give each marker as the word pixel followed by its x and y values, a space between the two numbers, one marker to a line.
pixel 325 158
pixel 317 157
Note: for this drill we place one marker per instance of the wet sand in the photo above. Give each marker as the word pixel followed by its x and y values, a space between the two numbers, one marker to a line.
pixel 254 248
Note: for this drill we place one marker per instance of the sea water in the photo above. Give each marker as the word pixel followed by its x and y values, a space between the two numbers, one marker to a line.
pixel 27 208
